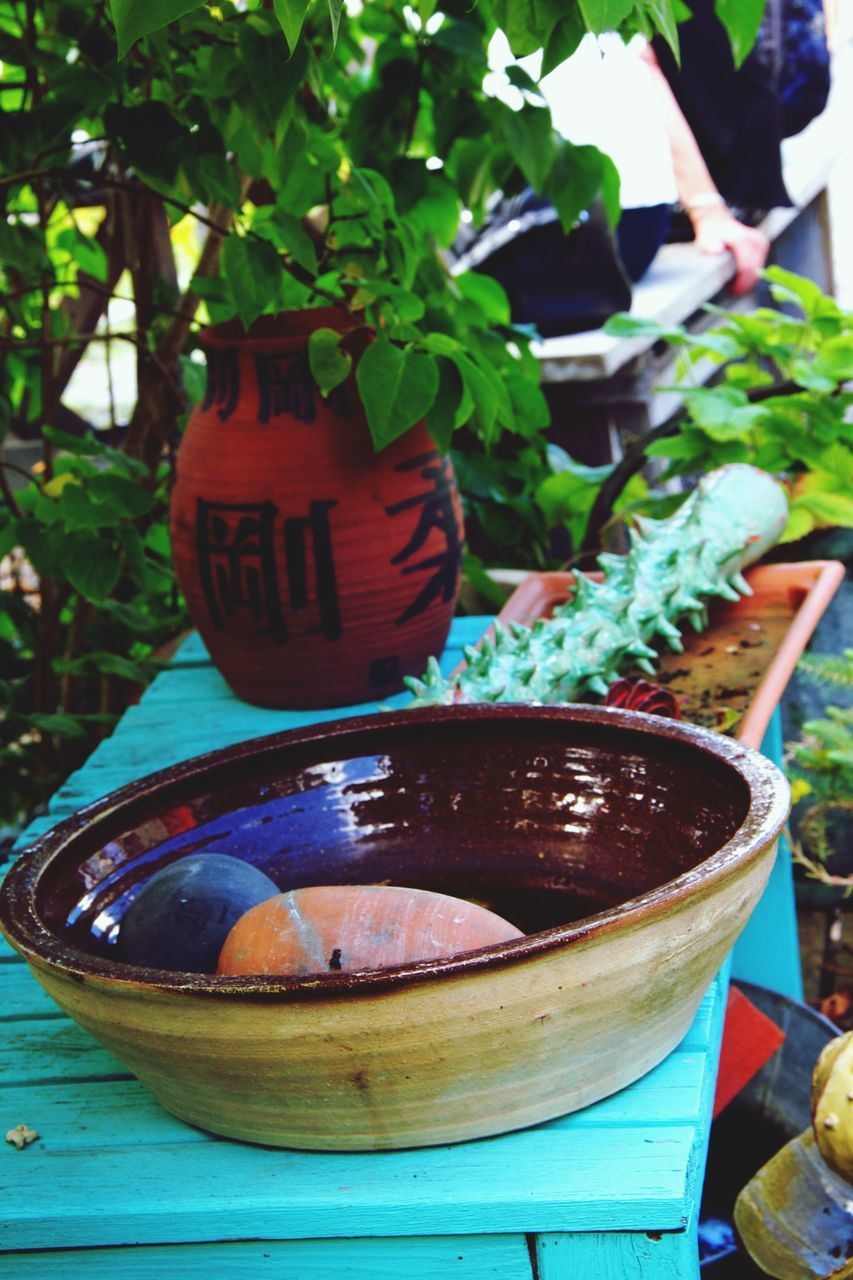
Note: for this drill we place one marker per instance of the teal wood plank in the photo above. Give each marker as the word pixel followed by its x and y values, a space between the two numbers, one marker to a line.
pixel 22 997
pixel 192 652
pixel 79 1114
pixel 7 953
pixel 497 1257
pixel 53 1049
pixel 647 1255
pixel 618 1255
pixel 37 828
pixel 536 1180
pixel 116 1113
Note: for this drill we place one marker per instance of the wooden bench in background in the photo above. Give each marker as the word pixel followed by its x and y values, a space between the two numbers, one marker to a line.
pixel 602 389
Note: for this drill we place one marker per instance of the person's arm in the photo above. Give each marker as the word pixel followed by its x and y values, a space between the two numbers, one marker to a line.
pixel 716 229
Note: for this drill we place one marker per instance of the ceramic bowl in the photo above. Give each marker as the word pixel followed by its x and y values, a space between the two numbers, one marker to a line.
pixel 630 849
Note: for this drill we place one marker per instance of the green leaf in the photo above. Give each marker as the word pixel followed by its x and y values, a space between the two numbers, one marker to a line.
pixel 296 240
pixel 253 272
pixel 136 18
pixel 741 18
pixel 213 178
pixel 125 497
pixel 624 325
pixel 530 136
pixel 91 565
pixel 605 15
pixel 567 499
pixel 441 419
pixel 113 664
pixel 131 541
pixel 335 9
pixel 483 394
pixel 291 15
pixel 723 413
pixel 835 358
pixel 578 175
pixel 488 294
pixel 407 306
pixel 80 511
pixel 58 724
pixel 329 365
pixel 397 389
pixel 274 77
pixel 86 252
pixel 563 40
pixel 516 20
pixel 665 16
pixel 79 445
pixel 828 508
pixel 787 286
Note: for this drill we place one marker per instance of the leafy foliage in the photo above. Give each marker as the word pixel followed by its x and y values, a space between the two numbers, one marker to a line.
pixel 798 425
pixel 94 534
pixel 168 163
pixel 822 770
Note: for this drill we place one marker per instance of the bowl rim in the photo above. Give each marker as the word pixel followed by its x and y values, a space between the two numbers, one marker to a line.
pixel 769 803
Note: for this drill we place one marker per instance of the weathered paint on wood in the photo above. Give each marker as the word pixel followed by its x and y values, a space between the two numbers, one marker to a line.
pixel 499 1257
pixel 591 1184
pixel 538 1180
pixel 618 1255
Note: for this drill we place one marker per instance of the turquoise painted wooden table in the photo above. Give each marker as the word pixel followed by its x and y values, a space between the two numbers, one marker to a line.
pixel 116 1185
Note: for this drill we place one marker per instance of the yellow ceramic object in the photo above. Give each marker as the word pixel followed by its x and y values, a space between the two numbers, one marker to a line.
pixel 832 1105
pixel 630 849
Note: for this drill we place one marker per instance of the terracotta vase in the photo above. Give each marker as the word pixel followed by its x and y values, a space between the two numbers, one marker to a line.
pixel 317 571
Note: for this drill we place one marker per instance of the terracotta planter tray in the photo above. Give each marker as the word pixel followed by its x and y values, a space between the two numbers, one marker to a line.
pixel 732 675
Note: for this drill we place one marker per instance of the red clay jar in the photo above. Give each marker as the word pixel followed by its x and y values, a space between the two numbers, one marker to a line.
pixel 317 571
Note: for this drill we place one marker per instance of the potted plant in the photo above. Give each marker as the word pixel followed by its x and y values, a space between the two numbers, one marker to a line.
pixel 164 171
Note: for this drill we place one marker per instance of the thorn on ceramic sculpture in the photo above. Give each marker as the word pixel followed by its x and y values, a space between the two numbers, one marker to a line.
pixel 520 631
pixel 645 665
pixel 596 685
pixel 21 1136
pixel 671 634
pixel 740 584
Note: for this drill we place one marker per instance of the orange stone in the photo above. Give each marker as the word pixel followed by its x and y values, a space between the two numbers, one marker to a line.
pixel 332 928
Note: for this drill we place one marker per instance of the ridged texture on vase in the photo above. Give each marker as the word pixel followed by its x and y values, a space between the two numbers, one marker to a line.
pixel 318 572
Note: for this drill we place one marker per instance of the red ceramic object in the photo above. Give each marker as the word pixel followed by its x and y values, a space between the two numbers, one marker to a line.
pixel 344 928
pixel 318 572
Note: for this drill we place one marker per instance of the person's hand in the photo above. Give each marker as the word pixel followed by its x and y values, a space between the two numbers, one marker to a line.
pixel 716 230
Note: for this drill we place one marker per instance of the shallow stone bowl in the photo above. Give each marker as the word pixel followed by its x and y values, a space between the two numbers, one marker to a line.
pixel 630 850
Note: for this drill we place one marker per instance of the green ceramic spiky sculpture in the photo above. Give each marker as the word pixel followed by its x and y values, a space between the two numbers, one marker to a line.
pixel 733 516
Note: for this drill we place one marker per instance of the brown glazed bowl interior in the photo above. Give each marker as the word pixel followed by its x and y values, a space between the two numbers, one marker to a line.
pixel 585 827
